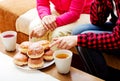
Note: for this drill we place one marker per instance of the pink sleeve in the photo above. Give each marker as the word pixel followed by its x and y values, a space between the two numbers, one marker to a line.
pixel 43 8
pixel 73 14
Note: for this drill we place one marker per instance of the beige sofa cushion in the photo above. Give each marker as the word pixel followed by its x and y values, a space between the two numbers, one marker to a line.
pixel 23 21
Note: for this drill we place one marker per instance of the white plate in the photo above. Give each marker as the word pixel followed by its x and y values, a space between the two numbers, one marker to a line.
pixel 46 64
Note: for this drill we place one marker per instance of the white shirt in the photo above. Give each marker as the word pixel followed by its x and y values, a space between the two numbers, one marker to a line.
pixel 115 12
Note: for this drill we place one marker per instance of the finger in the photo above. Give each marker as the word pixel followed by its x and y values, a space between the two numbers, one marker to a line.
pixel 54 25
pixel 44 25
pixel 36 34
pixel 49 24
pixel 54 39
pixel 32 34
pixel 62 44
pixel 67 47
pixel 63 47
pixel 55 43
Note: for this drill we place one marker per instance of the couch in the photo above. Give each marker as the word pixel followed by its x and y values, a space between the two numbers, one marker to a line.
pixel 10 10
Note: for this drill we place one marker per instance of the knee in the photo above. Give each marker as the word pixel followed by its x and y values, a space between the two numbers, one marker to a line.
pixel 79 29
pixel 74 32
pixel 85 32
pixel 59 32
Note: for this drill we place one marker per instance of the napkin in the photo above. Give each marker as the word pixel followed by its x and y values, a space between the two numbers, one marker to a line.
pixel 9 72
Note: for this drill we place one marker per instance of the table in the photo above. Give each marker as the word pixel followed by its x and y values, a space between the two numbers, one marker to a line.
pixel 74 75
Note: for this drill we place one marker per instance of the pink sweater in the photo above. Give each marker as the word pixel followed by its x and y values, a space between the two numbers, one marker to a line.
pixel 70 10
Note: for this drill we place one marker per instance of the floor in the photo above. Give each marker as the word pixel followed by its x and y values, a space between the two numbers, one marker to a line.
pixel 114 74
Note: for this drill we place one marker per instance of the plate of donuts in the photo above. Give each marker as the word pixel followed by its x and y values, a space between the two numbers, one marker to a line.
pixel 34 55
pixel 28 67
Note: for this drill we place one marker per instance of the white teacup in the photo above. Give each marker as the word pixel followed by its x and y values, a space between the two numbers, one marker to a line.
pixel 63 60
pixel 9 40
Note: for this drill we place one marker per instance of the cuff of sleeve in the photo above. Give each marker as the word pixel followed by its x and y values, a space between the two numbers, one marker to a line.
pixel 41 16
pixel 58 22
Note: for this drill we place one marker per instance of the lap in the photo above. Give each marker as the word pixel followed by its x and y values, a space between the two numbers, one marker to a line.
pixel 107 27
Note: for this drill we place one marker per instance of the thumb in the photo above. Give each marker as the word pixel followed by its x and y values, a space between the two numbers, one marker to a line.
pixel 31 34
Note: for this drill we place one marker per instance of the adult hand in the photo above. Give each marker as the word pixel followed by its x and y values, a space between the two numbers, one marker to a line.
pixel 38 32
pixel 65 42
pixel 49 22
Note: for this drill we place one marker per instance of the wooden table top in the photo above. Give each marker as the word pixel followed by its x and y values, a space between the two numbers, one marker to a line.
pixel 74 75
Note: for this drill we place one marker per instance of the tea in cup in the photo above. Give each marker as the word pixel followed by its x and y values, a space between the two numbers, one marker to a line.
pixel 63 60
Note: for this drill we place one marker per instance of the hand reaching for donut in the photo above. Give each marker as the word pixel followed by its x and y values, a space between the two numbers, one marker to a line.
pixel 38 32
pixel 66 42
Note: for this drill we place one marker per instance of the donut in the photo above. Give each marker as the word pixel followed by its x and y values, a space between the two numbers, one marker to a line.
pixel 20 59
pixel 48 56
pixel 35 50
pixel 35 63
pixel 45 44
pixel 23 48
